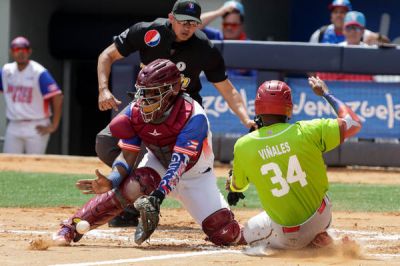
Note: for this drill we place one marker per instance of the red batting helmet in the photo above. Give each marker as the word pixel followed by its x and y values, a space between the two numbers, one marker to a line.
pixel 274 97
pixel 157 86
pixel 20 42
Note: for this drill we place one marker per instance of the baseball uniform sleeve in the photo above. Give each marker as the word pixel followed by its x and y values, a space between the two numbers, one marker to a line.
pixel 239 182
pixel 48 86
pixel 215 66
pixel 131 40
pixel 121 126
pixel 324 133
pixel 190 140
pixel 132 144
pixel 188 144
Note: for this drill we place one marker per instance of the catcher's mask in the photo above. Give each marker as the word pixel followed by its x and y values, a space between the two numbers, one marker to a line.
pixel 274 97
pixel 157 86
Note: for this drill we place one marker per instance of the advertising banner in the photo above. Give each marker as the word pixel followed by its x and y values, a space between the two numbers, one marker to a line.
pixel 222 119
pixel 377 105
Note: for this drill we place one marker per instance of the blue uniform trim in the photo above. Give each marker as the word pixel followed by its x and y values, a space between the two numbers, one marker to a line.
pixel 131 144
pixel 193 134
pixel 45 80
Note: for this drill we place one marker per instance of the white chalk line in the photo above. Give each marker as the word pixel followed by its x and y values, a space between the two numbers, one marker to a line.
pixel 112 234
pixel 152 258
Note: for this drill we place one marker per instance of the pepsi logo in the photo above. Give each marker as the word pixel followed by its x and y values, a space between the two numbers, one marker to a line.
pixel 152 38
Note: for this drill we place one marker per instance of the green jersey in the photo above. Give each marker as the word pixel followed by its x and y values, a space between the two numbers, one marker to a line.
pixel 285 164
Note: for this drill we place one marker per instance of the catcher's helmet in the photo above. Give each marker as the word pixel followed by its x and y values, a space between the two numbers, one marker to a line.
pixel 20 42
pixel 340 3
pixel 274 97
pixel 157 86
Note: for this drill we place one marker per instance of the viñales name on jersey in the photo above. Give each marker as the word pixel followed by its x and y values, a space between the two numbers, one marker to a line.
pixel 272 151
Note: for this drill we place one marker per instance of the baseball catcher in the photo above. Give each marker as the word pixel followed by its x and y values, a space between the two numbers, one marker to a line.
pixel 179 163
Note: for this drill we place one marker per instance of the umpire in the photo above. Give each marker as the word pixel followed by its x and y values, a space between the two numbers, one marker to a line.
pixel 178 39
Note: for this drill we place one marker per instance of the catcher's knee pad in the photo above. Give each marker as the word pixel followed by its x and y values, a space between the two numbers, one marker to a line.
pixel 222 228
pixel 147 178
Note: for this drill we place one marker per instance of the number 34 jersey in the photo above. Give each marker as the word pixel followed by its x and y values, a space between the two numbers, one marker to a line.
pixel 285 164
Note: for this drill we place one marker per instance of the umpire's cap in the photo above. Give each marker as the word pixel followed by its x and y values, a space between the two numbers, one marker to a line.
pixel 20 42
pixel 187 10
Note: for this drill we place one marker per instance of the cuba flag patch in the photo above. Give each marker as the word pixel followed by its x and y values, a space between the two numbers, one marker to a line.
pixel 152 38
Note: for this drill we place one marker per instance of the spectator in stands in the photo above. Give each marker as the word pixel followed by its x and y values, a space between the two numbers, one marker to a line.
pixel 333 33
pixel 353 30
pixel 232 13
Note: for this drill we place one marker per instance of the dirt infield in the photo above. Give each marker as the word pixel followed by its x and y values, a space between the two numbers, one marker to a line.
pixel 178 240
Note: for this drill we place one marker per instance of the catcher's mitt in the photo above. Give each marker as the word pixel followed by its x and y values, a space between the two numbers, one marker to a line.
pixel 149 208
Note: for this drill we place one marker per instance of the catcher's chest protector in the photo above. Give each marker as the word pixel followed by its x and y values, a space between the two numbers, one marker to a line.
pixel 161 138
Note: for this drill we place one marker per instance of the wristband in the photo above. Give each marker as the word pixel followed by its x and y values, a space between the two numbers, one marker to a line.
pixel 115 178
pixel 123 165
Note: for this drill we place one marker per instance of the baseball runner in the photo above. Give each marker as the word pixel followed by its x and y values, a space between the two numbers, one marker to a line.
pixel 29 91
pixel 179 163
pixel 178 39
pixel 284 162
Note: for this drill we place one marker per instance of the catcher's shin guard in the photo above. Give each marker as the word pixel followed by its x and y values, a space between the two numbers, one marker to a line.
pixel 102 208
pixel 222 228
pixel 96 212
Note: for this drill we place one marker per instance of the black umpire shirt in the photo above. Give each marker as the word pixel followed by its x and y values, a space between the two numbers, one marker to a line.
pixel 156 40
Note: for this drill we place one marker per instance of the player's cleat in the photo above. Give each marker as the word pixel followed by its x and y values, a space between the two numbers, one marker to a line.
pixel 127 218
pixel 65 235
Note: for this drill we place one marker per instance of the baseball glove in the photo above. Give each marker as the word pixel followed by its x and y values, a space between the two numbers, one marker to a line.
pixel 149 208
pixel 233 197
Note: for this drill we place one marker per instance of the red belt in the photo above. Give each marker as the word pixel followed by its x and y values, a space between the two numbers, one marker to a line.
pixel 293 229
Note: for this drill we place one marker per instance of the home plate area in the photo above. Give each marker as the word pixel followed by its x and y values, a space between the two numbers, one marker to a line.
pixel 188 244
